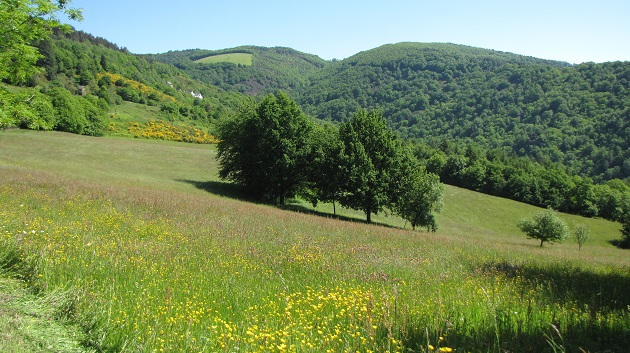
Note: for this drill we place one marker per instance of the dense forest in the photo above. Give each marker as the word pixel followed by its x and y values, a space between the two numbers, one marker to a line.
pixel 552 112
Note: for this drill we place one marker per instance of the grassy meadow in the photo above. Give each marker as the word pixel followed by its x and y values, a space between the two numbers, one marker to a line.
pixel 153 253
pixel 244 59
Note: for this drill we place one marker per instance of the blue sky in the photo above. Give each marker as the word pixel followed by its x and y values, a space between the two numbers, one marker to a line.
pixel 573 31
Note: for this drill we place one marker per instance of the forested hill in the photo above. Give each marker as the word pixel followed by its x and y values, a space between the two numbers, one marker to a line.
pixel 408 75
pixel 554 112
pixel 551 111
pixel 78 58
pixel 269 69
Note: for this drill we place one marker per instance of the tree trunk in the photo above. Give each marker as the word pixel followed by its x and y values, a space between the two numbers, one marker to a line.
pixel 368 214
pixel 334 208
pixel 541 242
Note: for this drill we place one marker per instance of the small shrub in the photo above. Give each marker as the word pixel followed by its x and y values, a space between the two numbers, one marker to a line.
pixel 581 235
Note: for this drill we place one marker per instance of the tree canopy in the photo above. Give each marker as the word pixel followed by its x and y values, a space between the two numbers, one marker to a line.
pixel 367 160
pixel 273 151
pixel 265 148
pixel 545 226
pixel 418 194
pixel 22 24
pixel 552 112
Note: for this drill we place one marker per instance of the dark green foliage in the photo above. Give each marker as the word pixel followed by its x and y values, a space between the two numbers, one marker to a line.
pixel 522 179
pixel 369 151
pixel 79 115
pixel 54 109
pixel 265 148
pixel 417 194
pixel 549 111
pixel 545 226
pixel 29 109
pixel 625 232
pixel 325 166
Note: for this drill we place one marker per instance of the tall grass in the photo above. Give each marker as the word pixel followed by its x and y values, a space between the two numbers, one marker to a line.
pixel 161 265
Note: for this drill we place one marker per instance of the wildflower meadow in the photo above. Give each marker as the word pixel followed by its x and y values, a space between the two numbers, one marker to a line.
pixel 163 265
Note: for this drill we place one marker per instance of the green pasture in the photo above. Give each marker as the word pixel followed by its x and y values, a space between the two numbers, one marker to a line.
pixel 245 59
pixel 156 254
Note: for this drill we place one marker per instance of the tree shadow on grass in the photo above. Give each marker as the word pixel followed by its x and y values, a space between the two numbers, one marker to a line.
pixel 596 294
pixel 221 188
pixel 564 283
pixel 621 244
pixel 233 191
pixel 597 305
pixel 297 206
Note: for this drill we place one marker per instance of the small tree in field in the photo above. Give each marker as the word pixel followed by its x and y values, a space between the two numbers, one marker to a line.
pixel 545 226
pixel 581 235
pixel 417 194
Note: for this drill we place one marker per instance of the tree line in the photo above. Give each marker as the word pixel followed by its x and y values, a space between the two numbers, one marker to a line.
pixel 274 152
pixel 522 179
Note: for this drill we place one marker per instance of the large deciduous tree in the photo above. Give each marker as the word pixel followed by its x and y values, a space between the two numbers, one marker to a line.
pixel 369 150
pixel 417 194
pixel 22 24
pixel 265 148
pixel 325 167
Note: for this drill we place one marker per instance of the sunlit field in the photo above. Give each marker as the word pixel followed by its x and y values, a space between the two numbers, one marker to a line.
pixel 245 59
pixel 157 255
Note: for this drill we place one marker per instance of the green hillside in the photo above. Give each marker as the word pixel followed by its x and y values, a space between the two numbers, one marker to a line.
pixel 271 68
pixel 115 244
pixel 538 131
pixel 233 58
pixel 108 221
pixel 88 85
pixel 573 115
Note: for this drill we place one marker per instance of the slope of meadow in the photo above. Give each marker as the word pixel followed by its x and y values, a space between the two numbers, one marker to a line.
pixel 233 58
pixel 156 254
